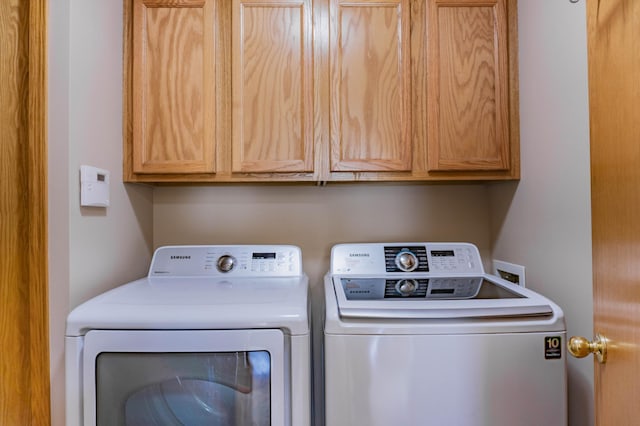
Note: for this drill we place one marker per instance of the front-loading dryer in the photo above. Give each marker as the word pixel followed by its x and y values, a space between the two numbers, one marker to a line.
pixel 416 334
pixel 213 335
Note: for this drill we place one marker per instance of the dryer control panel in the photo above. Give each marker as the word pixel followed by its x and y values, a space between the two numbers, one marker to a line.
pixel 414 258
pixel 237 260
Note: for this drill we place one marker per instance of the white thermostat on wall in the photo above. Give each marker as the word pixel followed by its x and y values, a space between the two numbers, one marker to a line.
pixel 94 187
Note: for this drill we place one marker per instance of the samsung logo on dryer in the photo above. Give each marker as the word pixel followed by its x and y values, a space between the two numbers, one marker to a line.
pixel 359 255
pixel 175 257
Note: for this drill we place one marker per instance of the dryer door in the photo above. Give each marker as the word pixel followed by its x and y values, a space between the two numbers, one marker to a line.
pixel 221 377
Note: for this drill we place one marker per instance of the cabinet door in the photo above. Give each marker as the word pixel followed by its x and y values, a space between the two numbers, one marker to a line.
pixel 370 120
pixel 468 83
pixel 173 86
pixel 272 86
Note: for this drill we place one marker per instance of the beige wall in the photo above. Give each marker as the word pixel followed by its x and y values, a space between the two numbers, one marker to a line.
pixel 316 218
pixel 108 246
pixel 91 249
pixel 544 222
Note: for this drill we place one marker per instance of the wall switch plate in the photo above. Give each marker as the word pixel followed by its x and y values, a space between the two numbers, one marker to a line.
pixel 94 187
pixel 509 271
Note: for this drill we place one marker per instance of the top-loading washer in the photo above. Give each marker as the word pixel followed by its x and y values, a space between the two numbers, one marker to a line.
pixel 418 334
pixel 213 335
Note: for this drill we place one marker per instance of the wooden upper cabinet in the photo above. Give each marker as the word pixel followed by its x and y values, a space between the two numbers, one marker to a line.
pixel 370 105
pixel 320 90
pixel 272 84
pixel 173 111
pixel 468 85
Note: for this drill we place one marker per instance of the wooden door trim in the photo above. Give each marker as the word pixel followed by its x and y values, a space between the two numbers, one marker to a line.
pixel 24 390
pixel 37 242
pixel 37 265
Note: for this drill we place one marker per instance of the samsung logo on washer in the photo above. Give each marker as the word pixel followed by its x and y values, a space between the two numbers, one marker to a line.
pixel 359 255
pixel 180 257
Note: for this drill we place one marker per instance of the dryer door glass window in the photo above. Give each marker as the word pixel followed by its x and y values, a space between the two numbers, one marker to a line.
pixel 225 388
pixel 184 377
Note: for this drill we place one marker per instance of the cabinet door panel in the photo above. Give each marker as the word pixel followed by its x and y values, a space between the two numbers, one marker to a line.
pixel 272 86
pixel 468 85
pixel 369 73
pixel 173 76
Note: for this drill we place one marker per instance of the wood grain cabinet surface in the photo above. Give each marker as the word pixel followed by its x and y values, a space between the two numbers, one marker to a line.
pixel 370 103
pixel 173 113
pixel 272 83
pixel 467 91
pixel 320 90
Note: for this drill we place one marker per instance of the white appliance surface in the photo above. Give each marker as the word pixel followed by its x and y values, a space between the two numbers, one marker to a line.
pixel 196 303
pixel 184 290
pixel 223 322
pixel 418 334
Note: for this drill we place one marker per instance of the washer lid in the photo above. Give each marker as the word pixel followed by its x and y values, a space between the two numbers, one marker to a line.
pixel 413 296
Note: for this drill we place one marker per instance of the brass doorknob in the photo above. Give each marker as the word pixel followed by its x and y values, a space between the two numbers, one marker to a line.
pixel 580 347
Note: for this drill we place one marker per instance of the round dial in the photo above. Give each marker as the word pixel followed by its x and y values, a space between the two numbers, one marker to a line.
pixel 406 261
pixel 407 287
pixel 226 263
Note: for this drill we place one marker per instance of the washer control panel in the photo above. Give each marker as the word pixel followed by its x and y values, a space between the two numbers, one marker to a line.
pixel 248 261
pixel 412 258
pixel 406 258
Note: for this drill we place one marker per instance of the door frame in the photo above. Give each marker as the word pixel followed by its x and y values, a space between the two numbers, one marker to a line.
pixel 24 390
pixel 37 266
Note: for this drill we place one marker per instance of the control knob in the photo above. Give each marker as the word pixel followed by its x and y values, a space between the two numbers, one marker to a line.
pixel 407 287
pixel 406 261
pixel 226 263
